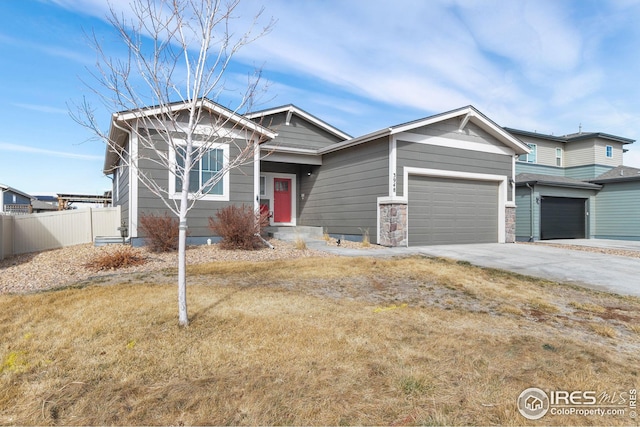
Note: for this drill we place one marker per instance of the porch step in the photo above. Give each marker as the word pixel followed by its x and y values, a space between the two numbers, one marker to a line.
pixel 290 234
pixel 107 240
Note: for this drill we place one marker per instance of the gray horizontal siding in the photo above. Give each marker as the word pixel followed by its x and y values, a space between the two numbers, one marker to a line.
pixel 450 129
pixel 586 172
pixel 617 208
pixel 123 194
pixel 299 133
pixel 410 154
pixel 522 167
pixel 342 194
pixel 240 191
pixel 524 205
pixel 523 214
pixel 13 198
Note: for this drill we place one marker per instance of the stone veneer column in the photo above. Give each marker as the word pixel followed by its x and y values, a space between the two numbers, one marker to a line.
pixel 393 222
pixel 510 224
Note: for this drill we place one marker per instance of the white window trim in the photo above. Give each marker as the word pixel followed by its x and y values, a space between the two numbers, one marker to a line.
pixel 263 193
pixel 559 155
pixel 607 149
pixel 175 193
pixel 530 145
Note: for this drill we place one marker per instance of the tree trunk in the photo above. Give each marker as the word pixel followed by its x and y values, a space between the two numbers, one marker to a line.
pixel 183 318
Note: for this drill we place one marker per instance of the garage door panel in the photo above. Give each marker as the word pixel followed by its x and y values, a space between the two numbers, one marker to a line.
pixel 562 218
pixel 449 211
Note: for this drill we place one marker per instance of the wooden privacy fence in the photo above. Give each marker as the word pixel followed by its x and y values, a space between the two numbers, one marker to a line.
pixel 39 232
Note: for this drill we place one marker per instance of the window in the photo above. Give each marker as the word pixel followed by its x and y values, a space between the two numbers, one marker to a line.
pixel 211 163
pixel 559 157
pixel 532 156
pixel 609 151
pixel 263 185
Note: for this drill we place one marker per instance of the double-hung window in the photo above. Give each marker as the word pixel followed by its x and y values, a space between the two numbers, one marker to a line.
pixel 559 157
pixel 203 174
pixel 532 156
pixel 609 150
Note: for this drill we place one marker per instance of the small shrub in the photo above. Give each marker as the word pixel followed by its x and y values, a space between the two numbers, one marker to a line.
pixel 238 226
pixel 365 237
pixel 122 257
pixel 161 231
pixel 300 244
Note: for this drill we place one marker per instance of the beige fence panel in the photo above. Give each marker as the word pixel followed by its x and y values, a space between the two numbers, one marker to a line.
pixel 43 231
pixel 105 222
pixel 6 236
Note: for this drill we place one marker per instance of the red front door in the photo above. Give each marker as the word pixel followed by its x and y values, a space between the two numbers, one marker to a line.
pixel 281 200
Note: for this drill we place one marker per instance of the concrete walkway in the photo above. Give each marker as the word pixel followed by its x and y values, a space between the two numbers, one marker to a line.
pixel 611 273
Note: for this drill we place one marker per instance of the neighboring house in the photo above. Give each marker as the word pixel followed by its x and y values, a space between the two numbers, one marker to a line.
pixel 448 178
pixel 13 201
pixel 574 186
pixel 44 204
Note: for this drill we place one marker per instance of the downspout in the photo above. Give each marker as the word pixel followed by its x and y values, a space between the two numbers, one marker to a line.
pixel 130 225
pixel 530 213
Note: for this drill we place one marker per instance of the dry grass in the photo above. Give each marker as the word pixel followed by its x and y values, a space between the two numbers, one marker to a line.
pixel 312 341
pixel 300 244
pixel 604 330
pixel 593 308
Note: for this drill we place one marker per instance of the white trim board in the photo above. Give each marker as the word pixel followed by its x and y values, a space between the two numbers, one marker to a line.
pixel 269 195
pixel 454 143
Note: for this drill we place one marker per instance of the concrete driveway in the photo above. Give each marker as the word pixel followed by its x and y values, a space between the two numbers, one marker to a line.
pixel 600 271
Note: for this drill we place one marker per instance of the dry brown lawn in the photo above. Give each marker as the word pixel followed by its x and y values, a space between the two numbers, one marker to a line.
pixel 331 341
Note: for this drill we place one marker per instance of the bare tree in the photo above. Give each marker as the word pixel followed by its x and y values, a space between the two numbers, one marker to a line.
pixel 178 53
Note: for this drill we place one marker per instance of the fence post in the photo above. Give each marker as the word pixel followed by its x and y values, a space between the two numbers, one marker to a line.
pixel 91 224
pixel 1 235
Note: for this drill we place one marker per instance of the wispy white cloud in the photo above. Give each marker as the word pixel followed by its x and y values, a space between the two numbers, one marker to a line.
pixel 42 108
pixel 44 152
pixel 540 65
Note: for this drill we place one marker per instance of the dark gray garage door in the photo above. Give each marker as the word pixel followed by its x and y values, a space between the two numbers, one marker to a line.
pixel 449 211
pixel 562 218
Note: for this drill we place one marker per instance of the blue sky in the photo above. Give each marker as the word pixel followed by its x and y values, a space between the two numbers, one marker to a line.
pixel 360 65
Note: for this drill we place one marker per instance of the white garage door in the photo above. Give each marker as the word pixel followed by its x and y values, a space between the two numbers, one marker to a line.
pixel 450 211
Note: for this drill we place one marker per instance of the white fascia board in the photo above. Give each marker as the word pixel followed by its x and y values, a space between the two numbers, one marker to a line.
pixel 200 129
pixel 454 143
pixel 505 137
pixel 470 114
pixel 283 149
pixel 237 118
pixel 355 141
pixel 431 120
pixel 285 157
pixel 304 115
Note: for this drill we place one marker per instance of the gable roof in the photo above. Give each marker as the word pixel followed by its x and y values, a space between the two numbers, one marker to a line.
pixel 467 114
pixel 571 137
pixel 291 109
pixel 16 191
pixel 618 174
pixel 553 181
pixel 118 134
